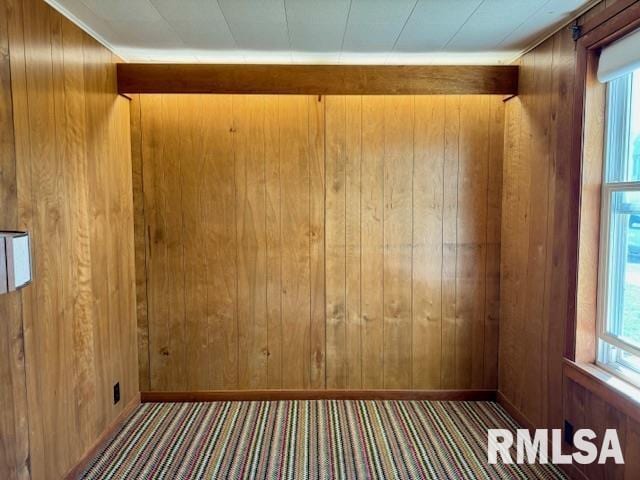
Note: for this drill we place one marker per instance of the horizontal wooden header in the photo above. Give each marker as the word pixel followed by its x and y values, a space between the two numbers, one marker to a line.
pixel 316 79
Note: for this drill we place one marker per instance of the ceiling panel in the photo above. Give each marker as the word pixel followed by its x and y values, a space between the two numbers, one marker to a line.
pixel 548 18
pixel 320 31
pixel 374 25
pixel 257 24
pixel 434 23
pixel 492 22
pixel 134 23
pixel 199 23
pixel 316 26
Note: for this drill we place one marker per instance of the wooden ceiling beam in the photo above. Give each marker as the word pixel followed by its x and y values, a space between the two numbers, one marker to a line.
pixel 317 79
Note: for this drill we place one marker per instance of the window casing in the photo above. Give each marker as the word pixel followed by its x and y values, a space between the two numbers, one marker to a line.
pixel 618 318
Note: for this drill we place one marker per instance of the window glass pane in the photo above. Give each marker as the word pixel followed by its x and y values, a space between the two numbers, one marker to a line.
pixel 619 361
pixel 623 129
pixel 623 309
pixel 634 143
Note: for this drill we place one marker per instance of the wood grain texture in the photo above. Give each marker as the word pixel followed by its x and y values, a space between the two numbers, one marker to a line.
pixel 398 252
pixel 317 79
pixel 103 440
pixel 539 244
pixel 535 232
pixel 332 219
pixel 140 236
pixel 587 407
pixel 72 190
pixel 372 240
pixel 14 422
pixel 234 210
pixel 248 147
pixel 427 217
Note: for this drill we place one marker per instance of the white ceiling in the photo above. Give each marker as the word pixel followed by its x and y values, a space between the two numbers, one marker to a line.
pixel 321 31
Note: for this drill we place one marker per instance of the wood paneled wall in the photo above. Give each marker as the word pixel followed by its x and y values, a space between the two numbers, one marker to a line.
pixel 535 229
pixel 535 248
pixel 66 177
pixel 14 431
pixel 585 409
pixel 317 242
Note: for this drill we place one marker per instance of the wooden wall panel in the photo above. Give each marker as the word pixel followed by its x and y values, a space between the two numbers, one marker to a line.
pixel 248 121
pixel 372 241
pixel 293 114
pixel 71 188
pixel 234 231
pixel 585 409
pixel 347 241
pixel 450 240
pixel 14 426
pixel 428 190
pixel 535 247
pixel 535 231
pixel 398 254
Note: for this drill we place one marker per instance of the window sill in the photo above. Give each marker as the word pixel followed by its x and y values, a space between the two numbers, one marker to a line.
pixel 615 391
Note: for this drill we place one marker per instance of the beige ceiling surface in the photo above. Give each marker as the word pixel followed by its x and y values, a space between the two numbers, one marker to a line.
pixel 320 31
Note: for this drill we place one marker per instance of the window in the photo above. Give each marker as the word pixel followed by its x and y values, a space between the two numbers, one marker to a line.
pixel 619 277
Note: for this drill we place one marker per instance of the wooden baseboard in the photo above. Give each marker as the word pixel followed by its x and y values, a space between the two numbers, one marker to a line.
pixel 570 470
pixel 274 395
pixel 516 414
pixel 108 433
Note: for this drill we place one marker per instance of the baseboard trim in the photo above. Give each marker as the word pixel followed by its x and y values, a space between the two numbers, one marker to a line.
pixel 274 395
pixel 570 470
pixel 108 433
pixel 516 414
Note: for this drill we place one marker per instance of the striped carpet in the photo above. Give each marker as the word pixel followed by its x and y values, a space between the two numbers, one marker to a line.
pixel 309 440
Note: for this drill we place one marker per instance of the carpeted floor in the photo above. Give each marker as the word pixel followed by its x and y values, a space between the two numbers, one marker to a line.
pixel 309 440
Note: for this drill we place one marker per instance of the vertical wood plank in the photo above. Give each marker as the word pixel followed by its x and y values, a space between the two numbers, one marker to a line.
pixel 557 274
pixel 80 238
pixel 151 133
pixel 274 241
pixel 509 271
pixel 398 204
pixel 220 197
pixel 515 235
pixel 196 218
pixel 335 263
pixel 294 158
pixel 353 241
pixel 248 136
pixel 141 252
pixel 372 238
pixel 19 95
pixel 126 294
pixel 535 327
pixel 471 254
pixel 14 425
pixel 316 139
pixel 46 264
pixel 427 214
pixel 450 240
pixel 165 230
pixel 493 232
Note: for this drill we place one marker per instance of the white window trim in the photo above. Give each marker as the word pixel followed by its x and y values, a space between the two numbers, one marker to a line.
pixel 603 269
pixel 621 369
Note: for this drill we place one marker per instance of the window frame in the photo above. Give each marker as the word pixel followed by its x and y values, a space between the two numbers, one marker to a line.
pixel 605 340
pixel 591 37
